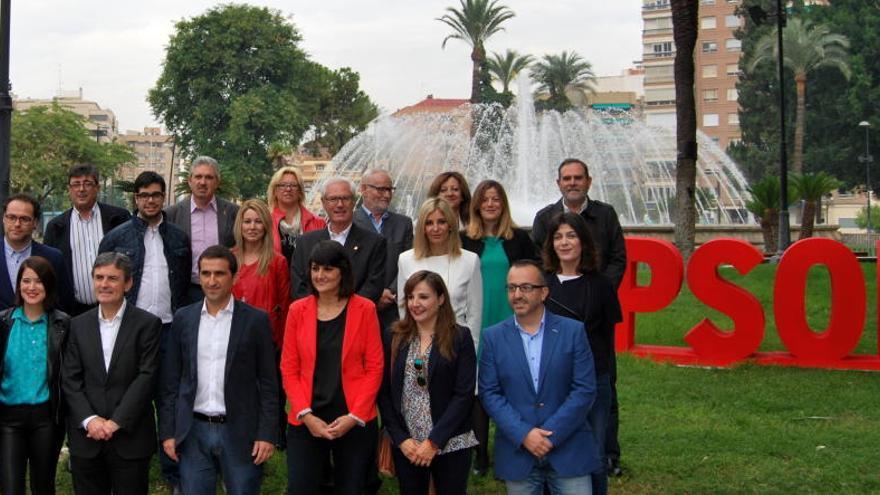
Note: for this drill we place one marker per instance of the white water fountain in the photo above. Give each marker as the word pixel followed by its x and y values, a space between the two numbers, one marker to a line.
pixel 632 164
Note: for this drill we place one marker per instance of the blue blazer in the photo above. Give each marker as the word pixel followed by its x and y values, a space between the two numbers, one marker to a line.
pixel 566 391
pixel 250 388
pixel 64 288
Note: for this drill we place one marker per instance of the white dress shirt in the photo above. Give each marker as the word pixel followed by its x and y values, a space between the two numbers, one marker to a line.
pixel 109 330
pixel 85 236
pixel 340 237
pixel 154 295
pixel 213 342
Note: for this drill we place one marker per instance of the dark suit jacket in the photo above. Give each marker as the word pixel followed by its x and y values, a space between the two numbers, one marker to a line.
pixel 250 385
pixel 57 232
pixel 518 247
pixel 366 249
pixel 450 385
pixel 122 393
pixel 179 214
pixel 566 391
pixel 604 227
pixel 397 230
pixel 62 276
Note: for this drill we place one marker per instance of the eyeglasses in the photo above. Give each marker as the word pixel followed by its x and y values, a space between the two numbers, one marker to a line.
pixel 287 186
pixel 337 199
pixel 419 365
pixel 147 196
pixel 86 184
pixel 382 189
pixel 524 288
pixel 13 219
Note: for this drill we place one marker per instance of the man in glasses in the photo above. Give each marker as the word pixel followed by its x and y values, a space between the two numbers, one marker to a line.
pixel 78 231
pixel 537 382
pixel 160 255
pixel 21 215
pixel 377 191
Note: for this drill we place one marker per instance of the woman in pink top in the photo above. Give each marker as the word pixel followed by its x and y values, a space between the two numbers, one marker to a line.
pixel 290 219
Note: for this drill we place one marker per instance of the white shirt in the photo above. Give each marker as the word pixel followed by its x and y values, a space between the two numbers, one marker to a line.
pixel 340 237
pixel 85 236
pixel 109 330
pixel 154 295
pixel 213 342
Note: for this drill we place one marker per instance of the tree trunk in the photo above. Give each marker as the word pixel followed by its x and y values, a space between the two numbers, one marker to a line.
pixel 807 222
pixel 477 56
pixel 770 230
pixel 797 162
pixel 684 27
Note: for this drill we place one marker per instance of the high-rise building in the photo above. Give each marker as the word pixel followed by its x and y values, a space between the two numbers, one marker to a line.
pixel 154 151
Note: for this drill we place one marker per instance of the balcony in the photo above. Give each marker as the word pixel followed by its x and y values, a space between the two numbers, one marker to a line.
pixel 655 55
pixel 656 5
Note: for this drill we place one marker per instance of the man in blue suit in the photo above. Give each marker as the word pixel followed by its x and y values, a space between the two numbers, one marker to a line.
pixel 21 215
pixel 537 382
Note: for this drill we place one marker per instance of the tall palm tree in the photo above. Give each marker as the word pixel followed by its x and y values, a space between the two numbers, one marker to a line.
pixel 810 188
pixel 558 74
pixel 807 47
pixel 684 33
pixel 474 23
pixel 505 68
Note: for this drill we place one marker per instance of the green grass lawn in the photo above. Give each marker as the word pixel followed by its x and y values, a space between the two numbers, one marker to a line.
pixel 748 429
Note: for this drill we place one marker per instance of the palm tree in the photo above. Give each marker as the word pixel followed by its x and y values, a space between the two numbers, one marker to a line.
pixel 684 33
pixel 764 204
pixel 474 23
pixel 505 68
pixel 810 188
pixel 558 74
pixel 807 47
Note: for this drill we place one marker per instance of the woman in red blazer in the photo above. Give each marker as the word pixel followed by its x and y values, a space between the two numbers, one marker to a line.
pixel 331 368
pixel 290 218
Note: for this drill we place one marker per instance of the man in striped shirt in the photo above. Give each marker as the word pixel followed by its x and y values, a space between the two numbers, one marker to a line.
pixel 78 231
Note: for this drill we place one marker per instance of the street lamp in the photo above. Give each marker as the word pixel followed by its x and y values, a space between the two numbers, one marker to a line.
pixel 867 159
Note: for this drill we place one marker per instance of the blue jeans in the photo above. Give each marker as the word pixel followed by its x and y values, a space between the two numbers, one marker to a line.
pixel 542 473
pixel 598 421
pixel 206 450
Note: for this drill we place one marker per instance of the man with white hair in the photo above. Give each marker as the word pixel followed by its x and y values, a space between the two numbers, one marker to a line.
pixel 366 249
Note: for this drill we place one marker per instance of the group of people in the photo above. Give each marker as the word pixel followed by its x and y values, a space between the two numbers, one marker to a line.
pixel 211 317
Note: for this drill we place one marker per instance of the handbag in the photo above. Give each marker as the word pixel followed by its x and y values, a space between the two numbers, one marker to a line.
pixel 384 457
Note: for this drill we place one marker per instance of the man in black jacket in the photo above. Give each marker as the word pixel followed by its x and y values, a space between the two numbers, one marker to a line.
pixel 78 231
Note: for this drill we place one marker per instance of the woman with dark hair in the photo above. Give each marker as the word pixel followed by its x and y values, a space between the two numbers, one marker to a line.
pixel 331 369
pixel 578 290
pixel 453 188
pixel 428 391
pixel 493 236
pixel 32 335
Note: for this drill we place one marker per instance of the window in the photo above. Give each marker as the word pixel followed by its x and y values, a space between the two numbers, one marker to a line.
pixel 710 95
pixel 707 22
pixel 732 94
pixel 659 96
pixel 662 73
pixel 710 120
pixel 710 46
pixel 731 21
pixel 733 45
pixel 710 71
pixel 733 118
pixel 659 50
pixel 732 69
pixel 707 2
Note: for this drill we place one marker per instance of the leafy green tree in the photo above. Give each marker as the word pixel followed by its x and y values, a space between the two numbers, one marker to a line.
pixel 862 218
pixel 343 112
pixel 474 23
pixel 46 141
pixel 558 74
pixel 811 188
pixel 807 48
pixel 504 68
pixel 234 82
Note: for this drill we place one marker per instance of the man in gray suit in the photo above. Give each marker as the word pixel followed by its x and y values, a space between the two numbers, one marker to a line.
pixel 374 214
pixel 206 219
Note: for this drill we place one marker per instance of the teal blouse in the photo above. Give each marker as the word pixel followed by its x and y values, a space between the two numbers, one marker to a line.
pixel 493 266
pixel 25 372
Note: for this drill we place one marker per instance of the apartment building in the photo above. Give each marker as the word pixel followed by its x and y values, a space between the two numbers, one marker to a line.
pixel 154 151
pixel 101 122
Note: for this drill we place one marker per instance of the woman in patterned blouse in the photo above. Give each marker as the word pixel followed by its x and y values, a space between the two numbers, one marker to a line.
pixel 428 391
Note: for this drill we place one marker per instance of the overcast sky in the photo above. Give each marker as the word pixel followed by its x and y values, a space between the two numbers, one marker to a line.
pixel 114 50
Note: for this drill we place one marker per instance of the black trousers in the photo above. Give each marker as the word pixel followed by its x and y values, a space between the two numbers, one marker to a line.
pixel 612 445
pixel 480 420
pixel 108 473
pixel 28 436
pixel 352 455
pixel 450 472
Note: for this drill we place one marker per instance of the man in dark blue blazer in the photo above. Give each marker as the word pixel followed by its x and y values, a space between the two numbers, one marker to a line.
pixel 218 404
pixel 537 382
pixel 21 215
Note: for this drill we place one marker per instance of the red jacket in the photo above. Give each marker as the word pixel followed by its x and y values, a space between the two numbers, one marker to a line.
pixel 269 292
pixel 308 222
pixel 362 357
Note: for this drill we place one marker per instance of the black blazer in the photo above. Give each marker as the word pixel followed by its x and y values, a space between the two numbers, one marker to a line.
pixel 123 393
pixel 518 247
pixel 57 232
pixel 367 252
pixel 62 276
pixel 59 324
pixel 250 385
pixel 451 385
